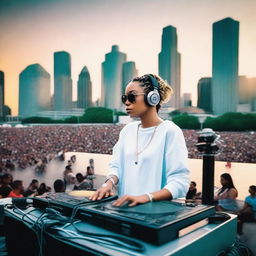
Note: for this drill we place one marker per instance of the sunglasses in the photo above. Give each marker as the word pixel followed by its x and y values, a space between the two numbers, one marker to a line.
pixel 131 97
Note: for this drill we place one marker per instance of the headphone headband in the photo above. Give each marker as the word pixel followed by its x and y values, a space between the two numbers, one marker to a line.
pixel 154 82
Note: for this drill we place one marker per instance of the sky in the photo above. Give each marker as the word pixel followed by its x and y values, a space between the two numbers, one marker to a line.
pixel 32 30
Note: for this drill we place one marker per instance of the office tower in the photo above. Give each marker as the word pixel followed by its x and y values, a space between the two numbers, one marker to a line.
pixel 187 99
pixel 1 94
pixel 204 94
pixel 128 73
pixel 84 89
pixel 112 78
pixel 225 66
pixel 62 81
pixel 169 62
pixel 34 90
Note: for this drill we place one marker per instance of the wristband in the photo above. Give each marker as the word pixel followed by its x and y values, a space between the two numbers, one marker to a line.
pixel 111 179
pixel 150 196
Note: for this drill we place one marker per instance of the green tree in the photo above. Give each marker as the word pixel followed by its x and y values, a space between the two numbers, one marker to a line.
pixel 186 121
pixel 97 115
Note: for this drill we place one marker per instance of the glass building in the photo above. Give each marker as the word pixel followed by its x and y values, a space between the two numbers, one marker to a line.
pixel 225 66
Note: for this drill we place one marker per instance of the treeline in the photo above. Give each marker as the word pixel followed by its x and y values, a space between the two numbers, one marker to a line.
pixel 226 122
pixel 91 115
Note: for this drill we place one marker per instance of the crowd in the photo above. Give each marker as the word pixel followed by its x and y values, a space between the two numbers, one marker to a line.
pixel 68 182
pixel 36 146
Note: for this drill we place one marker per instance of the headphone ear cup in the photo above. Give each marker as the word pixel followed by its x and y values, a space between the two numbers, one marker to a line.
pixel 152 98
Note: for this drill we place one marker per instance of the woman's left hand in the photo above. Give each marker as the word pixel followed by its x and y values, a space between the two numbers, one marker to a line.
pixel 132 200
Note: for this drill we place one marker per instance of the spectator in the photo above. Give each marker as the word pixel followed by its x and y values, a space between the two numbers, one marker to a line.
pixel 248 212
pixel 191 194
pixel 5 188
pixel 42 189
pixel 32 188
pixel 90 175
pixel 17 189
pixel 71 180
pixel 226 195
pixel 82 183
pixel 59 186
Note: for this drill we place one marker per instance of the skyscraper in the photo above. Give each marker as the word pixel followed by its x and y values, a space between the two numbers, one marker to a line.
pixel 204 94
pixel 1 94
pixel 129 72
pixel 62 81
pixel 112 78
pixel 34 90
pixel 169 61
pixel 225 66
pixel 84 89
pixel 187 99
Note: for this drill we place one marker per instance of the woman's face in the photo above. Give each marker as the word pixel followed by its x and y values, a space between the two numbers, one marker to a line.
pixel 138 107
pixel 223 181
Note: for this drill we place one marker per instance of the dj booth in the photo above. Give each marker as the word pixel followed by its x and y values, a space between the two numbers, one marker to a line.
pixel 54 227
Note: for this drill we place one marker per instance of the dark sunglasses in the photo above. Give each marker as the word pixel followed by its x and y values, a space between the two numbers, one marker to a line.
pixel 131 97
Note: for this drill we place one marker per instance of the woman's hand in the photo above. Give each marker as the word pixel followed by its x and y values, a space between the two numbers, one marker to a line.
pixel 134 200
pixel 104 191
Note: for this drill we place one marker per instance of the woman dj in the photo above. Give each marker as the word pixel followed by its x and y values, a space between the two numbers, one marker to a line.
pixel 149 159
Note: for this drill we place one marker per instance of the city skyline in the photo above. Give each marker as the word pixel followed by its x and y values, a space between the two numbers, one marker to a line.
pixel 31 31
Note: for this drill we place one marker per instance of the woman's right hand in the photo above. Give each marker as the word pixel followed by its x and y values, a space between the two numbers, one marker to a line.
pixel 104 191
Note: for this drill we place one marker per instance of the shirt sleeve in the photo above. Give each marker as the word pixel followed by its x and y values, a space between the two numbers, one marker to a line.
pixel 177 173
pixel 114 165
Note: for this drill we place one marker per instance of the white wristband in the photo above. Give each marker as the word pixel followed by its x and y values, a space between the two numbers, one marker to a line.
pixel 150 196
pixel 112 180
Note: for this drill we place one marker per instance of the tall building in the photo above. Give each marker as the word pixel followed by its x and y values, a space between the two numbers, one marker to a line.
pixel 111 87
pixel 225 66
pixel 169 62
pixel 1 94
pixel 34 90
pixel 128 73
pixel 204 94
pixel 84 89
pixel 187 99
pixel 62 81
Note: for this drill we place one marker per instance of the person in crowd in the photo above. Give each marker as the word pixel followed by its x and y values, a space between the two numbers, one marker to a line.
pixel 90 175
pixel 5 187
pixel 248 212
pixel 70 182
pixel 226 195
pixel 91 164
pixel 59 186
pixel 149 159
pixel 42 189
pixel 32 188
pixel 82 183
pixel 66 172
pixel 73 159
pixel 17 190
pixel 191 194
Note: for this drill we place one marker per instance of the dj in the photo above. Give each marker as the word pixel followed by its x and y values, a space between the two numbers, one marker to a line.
pixel 149 159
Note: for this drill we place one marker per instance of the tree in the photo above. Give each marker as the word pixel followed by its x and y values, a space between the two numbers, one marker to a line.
pixel 186 121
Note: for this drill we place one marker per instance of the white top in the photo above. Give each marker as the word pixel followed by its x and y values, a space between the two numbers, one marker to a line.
pixel 163 163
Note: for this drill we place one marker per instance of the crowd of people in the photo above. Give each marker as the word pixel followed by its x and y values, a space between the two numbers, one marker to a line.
pixel 69 181
pixel 36 146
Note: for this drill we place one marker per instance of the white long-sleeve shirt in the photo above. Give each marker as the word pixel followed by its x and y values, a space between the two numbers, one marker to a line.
pixel 163 163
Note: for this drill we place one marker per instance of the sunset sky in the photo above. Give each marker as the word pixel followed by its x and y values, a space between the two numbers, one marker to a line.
pixel 32 30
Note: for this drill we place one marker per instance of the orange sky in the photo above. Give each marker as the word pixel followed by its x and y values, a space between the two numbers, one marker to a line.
pixel 31 30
